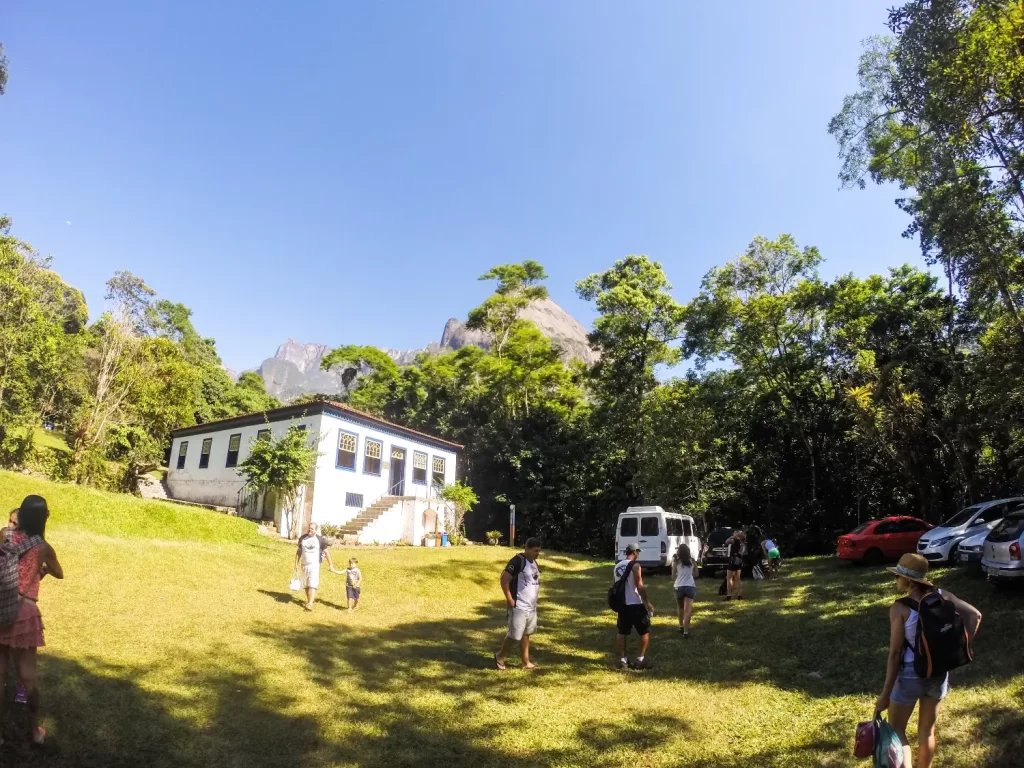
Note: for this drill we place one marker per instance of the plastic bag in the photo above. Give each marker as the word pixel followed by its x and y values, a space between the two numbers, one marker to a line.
pixel 888 747
pixel 295 585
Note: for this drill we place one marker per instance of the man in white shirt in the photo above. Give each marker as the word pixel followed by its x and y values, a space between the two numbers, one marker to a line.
pixel 637 611
pixel 520 582
pixel 311 552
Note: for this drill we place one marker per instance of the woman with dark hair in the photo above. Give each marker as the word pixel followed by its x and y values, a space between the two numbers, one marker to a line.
pixel 737 545
pixel 684 569
pixel 21 639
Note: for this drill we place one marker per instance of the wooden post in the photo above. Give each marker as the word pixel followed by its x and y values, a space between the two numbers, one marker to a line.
pixel 511 525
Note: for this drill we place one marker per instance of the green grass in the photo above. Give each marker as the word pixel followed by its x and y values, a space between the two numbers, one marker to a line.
pixel 173 642
pixel 52 440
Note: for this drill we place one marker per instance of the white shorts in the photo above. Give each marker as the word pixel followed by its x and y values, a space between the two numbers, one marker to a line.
pixel 521 623
pixel 311 576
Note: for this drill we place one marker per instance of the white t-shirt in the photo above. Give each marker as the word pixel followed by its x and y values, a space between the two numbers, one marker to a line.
pixel 310 548
pixel 684 576
pixel 632 593
pixel 527 587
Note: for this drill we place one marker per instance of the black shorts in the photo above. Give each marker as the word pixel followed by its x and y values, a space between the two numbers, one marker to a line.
pixel 735 565
pixel 634 616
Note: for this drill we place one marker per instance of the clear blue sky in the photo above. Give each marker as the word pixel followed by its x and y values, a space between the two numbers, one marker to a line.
pixel 342 172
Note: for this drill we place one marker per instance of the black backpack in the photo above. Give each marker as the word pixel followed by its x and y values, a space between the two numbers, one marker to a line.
pixel 617 591
pixel 941 643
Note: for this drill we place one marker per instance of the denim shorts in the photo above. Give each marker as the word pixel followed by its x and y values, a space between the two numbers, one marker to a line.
pixel 690 592
pixel 909 687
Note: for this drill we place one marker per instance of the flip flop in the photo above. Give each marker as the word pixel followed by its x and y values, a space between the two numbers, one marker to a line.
pixel 39 736
pixel 498 663
pixel 530 668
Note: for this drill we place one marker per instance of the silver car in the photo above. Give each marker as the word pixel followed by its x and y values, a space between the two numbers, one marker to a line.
pixel 940 544
pixel 1001 560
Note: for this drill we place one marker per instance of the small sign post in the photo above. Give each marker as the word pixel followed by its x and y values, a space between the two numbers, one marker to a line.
pixel 511 525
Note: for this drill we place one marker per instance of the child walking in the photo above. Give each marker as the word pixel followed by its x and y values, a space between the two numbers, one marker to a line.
pixel 353 583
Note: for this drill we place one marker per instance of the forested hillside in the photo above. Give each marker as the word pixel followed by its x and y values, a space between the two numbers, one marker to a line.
pixel 768 394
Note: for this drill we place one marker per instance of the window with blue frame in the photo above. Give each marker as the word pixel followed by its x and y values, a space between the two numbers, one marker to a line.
pixel 204 454
pixel 438 473
pixel 419 467
pixel 346 451
pixel 182 451
pixel 371 456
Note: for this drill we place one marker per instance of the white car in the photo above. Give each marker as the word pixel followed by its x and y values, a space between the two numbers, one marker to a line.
pixel 1002 558
pixel 939 545
pixel 970 550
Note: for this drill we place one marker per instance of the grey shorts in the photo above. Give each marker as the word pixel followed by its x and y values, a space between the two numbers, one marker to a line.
pixel 690 592
pixel 521 623
pixel 909 687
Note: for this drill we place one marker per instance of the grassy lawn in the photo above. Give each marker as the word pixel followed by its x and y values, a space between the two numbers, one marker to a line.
pixel 173 641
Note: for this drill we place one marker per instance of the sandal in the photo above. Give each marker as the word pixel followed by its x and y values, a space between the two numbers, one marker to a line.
pixel 530 668
pixel 499 663
pixel 39 736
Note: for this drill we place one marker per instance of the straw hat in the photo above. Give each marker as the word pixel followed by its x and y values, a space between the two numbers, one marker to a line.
pixel 912 567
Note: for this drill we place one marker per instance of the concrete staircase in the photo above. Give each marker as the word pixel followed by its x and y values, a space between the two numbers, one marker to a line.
pixel 350 531
pixel 151 488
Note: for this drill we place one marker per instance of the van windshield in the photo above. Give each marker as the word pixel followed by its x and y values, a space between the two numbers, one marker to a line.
pixel 961 517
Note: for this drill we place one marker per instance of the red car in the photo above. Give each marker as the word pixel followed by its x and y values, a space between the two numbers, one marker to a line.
pixel 879 540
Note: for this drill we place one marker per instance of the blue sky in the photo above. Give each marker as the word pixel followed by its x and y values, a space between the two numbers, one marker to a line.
pixel 343 172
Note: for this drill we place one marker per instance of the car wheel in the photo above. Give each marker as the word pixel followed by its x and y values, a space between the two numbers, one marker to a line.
pixel 952 560
pixel 874 557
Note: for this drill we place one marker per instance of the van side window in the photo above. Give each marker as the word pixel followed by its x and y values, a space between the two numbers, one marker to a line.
pixel 628 527
pixel 687 528
pixel 649 526
pixel 674 525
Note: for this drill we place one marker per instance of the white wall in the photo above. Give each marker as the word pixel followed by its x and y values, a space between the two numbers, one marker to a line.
pixel 219 484
pixel 332 482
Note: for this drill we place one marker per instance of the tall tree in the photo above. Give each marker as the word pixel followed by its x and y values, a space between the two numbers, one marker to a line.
pixel 635 333
pixel 518 285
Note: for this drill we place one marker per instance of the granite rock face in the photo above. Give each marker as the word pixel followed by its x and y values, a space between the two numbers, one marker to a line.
pixel 295 369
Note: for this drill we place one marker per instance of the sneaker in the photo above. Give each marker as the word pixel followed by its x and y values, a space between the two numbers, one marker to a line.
pixel 686 635
pixel 682 632
pixel 645 664
pixel 739 597
pixel 728 597
pixel 22 697
pixel 623 664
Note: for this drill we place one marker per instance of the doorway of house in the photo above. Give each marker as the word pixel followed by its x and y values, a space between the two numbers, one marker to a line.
pixel 396 477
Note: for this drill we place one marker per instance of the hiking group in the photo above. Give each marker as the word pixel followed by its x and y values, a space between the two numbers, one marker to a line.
pixel 931 631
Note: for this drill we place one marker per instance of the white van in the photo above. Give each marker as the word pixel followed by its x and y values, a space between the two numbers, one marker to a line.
pixel 657 532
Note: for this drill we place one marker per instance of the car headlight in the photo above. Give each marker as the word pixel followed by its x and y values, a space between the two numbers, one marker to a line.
pixel 942 542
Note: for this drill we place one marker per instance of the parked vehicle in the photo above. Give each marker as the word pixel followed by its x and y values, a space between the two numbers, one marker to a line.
pixel 715 555
pixel 879 540
pixel 1001 560
pixel 970 550
pixel 657 532
pixel 941 543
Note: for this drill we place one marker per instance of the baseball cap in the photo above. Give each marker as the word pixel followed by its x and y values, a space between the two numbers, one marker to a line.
pixel 632 549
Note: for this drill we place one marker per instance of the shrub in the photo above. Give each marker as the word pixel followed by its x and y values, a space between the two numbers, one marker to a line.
pixel 494 538
pixel 331 531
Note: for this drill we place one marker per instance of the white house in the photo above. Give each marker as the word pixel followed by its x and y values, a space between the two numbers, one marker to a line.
pixel 376 479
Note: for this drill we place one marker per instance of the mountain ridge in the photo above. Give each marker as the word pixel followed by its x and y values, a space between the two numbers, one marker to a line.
pixel 294 370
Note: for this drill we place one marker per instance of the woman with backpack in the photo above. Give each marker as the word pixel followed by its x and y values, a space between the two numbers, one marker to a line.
pixel 21 639
pixel 684 571
pixel 912 675
pixel 737 545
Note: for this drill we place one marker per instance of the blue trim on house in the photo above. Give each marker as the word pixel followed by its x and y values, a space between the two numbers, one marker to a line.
pixel 391 463
pixel 380 459
pixel 205 455
pixel 426 469
pixel 237 451
pixel 337 450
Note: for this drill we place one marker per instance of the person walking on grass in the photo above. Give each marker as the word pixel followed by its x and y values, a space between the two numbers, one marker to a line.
pixel 737 545
pixel 684 572
pixel 520 583
pixel 20 697
pixel 312 550
pixel 903 687
pixel 637 611
pixel 353 583
pixel 21 640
